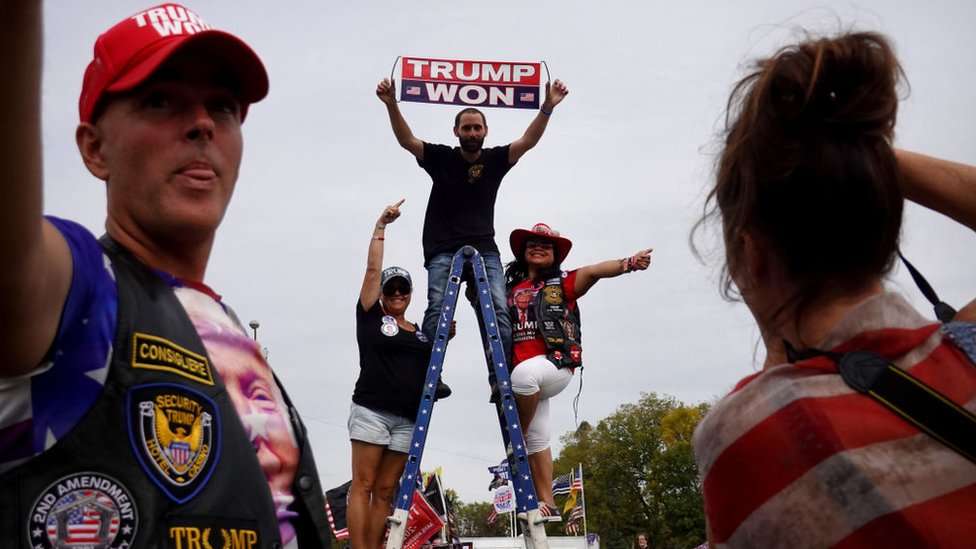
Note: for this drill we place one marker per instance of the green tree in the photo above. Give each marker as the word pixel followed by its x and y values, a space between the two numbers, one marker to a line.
pixel 639 473
pixel 472 520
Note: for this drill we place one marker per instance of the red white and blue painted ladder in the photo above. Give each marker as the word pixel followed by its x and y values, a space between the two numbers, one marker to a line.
pixel 518 460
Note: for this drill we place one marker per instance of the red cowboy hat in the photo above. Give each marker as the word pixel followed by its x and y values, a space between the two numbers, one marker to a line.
pixel 540 231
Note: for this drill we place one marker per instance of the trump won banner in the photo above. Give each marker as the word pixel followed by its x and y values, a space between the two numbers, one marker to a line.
pixel 470 83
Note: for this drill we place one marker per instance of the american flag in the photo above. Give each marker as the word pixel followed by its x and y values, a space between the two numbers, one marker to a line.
pixel 492 516
pixel 84 518
pixel 527 97
pixel 180 452
pixel 561 485
pixel 576 513
pixel 578 477
pixel 413 90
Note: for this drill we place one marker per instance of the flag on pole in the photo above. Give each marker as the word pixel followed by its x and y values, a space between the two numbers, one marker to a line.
pixel 574 523
pixel 501 475
pixel 562 484
pixel 575 487
pixel 576 513
pixel 335 510
pixel 492 516
pixel 422 522
pixel 578 477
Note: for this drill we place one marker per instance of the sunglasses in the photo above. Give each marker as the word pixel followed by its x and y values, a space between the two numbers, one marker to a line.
pixel 396 285
pixel 541 244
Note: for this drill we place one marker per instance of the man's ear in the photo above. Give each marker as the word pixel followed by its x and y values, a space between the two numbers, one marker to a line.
pixel 456 134
pixel 89 141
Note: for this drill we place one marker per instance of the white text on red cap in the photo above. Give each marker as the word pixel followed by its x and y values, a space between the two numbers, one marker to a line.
pixel 169 20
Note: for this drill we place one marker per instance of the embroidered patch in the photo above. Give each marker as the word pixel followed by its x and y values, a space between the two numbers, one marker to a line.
pixel 85 509
pixel 211 533
pixel 575 353
pixel 155 353
pixel 553 295
pixel 175 432
pixel 474 172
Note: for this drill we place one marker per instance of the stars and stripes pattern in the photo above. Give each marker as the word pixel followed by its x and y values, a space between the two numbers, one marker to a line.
pixel 577 478
pixel 85 512
pixel 795 441
pixel 39 409
pixel 562 485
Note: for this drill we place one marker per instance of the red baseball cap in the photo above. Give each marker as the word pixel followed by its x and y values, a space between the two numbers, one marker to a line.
pixel 128 53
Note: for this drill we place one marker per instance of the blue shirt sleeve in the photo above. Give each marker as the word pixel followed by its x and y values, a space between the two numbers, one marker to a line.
pixel 80 354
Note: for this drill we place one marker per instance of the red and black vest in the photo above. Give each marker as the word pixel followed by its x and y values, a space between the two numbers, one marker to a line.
pixel 162 459
pixel 558 323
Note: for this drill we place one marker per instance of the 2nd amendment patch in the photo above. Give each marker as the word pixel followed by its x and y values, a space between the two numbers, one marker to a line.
pixel 155 353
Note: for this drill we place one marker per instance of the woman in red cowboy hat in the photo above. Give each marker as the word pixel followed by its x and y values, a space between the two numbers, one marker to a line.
pixel 546 334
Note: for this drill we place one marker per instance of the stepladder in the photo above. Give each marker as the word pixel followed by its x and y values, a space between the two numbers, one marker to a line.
pixel 468 266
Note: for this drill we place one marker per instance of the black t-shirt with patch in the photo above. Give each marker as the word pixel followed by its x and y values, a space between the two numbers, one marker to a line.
pixel 392 363
pixel 461 207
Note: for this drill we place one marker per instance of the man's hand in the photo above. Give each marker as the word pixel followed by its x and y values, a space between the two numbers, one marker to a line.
pixel 555 93
pixel 386 91
pixel 390 214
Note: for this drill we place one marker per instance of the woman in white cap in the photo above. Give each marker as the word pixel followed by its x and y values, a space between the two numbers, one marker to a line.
pixel 393 358
pixel 546 334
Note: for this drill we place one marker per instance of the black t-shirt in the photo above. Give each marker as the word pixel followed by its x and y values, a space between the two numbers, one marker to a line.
pixel 392 363
pixel 461 207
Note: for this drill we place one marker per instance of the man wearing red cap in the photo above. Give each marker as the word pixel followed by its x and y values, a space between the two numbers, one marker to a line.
pixel 134 409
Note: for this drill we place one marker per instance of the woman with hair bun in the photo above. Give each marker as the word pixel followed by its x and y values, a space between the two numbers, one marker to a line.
pixel 809 192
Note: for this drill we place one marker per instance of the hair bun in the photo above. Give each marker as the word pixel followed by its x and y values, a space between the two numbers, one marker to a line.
pixel 846 84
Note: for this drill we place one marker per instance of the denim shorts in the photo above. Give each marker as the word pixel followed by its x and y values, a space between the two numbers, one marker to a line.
pixel 380 428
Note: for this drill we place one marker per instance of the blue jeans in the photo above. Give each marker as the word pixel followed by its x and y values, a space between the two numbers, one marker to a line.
pixel 439 269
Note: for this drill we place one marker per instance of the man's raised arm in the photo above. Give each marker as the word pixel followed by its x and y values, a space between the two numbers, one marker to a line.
pixel 554 95
pixel 37 264
pixel 386 91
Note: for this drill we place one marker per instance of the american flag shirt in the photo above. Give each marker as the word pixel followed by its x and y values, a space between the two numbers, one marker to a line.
pixel 39 408
pixel 793 457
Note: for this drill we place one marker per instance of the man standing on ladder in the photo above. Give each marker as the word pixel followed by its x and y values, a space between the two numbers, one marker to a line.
pixel 461 206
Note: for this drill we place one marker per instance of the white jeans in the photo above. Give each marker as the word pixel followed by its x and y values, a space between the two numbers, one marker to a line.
pixel 538 375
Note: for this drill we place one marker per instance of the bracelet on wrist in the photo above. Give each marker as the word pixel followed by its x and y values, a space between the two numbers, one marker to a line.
pixel 545 112
pixel 378 238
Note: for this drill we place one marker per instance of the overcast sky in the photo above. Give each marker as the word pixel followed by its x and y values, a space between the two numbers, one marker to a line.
pixel 624 165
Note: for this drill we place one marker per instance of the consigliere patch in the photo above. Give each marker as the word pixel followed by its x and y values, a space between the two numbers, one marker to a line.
pixel 155 353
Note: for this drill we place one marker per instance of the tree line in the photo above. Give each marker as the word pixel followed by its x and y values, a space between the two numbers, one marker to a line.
pixel 639 476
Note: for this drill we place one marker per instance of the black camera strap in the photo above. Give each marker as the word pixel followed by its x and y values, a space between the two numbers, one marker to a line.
pixel 943 311
pixel 918 403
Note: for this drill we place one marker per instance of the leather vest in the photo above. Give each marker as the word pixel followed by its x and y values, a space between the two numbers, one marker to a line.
pixel 162 458
pixel 559 324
